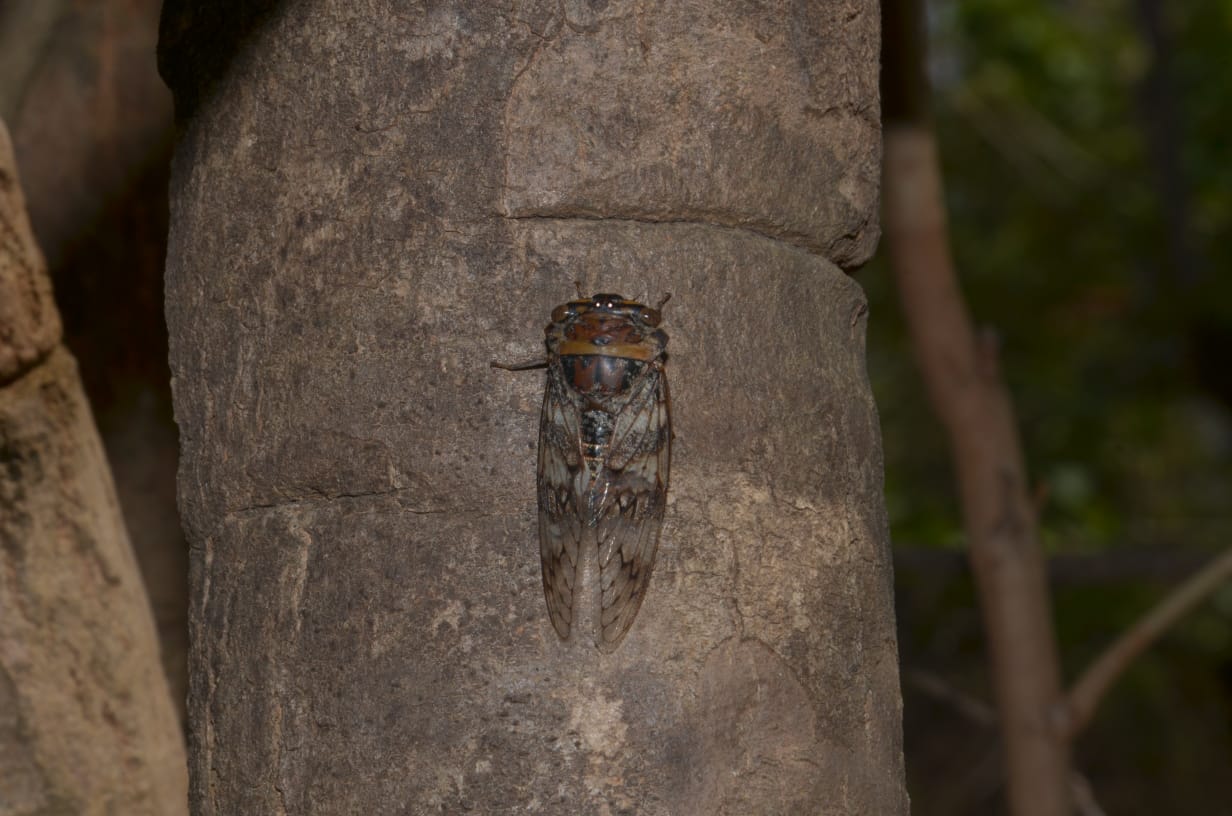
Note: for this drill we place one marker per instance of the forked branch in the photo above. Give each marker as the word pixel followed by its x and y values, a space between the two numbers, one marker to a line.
pixel 1076 710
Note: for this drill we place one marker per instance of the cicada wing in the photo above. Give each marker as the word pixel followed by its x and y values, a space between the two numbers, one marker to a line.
pixel 560 522
pixel 632 515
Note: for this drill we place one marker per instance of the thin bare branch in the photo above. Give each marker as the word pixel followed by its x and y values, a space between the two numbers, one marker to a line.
pixel 1079 706
pixel 972 708
pixel 1153 566
pixel 982 714
pixel 959 367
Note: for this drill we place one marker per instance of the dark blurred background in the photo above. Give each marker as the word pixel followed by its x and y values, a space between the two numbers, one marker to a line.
pixel 1086 149
pixel 1087 157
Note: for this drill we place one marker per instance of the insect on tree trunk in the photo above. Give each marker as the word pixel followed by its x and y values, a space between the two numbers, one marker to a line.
pixel 369 205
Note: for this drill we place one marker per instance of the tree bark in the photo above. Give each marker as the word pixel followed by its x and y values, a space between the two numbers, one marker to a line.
pixel 370 204
pixel 93 140
pixel 86 723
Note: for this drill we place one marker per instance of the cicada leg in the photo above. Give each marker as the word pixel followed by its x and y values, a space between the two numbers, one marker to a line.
pixel 523 366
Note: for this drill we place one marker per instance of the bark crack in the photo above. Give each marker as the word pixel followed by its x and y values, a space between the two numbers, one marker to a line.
pixel 327 498
pixel 793 241
pixel 29 366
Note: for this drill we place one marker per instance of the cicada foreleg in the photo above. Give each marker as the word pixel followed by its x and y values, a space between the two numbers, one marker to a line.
pixel 523 366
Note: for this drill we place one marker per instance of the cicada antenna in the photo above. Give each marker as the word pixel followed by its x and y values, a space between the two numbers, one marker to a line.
pixel 577 284
pixel 666 297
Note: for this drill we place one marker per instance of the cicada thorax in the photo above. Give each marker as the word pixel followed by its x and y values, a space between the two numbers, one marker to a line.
pixel 603 459
pixel 598 377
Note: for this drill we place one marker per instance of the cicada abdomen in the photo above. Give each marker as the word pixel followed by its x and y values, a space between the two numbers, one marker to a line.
pixel 604 453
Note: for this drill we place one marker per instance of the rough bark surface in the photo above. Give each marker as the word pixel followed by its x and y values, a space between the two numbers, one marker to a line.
pixel 364 213
pixel 29 323
pixel 93 140
pixel 86 723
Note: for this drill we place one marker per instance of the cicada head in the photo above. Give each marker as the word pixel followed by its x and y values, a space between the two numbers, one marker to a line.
pixel 606 325
pixel 610 305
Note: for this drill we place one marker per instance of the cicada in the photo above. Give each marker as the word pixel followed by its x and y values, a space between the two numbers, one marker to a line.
pixel 605 438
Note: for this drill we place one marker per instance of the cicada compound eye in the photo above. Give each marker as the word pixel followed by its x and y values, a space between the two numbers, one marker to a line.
pixel 649 316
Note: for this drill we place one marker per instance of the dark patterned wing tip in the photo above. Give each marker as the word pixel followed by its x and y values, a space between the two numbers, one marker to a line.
pixel 628 529
pixel 560 526
pixel 625 577
pixel 558 557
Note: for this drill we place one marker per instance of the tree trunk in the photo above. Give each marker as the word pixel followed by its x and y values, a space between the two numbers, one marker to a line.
pixel 93 139
pixel 368 205
pixel 960 370
pixel 86 723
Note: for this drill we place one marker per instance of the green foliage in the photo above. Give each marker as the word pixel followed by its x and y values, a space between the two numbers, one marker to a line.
pixel 1060 236
pixel 1065 235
